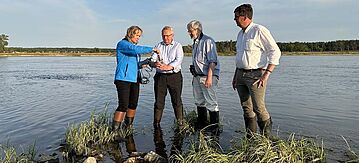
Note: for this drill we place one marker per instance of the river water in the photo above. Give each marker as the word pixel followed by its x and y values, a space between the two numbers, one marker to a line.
pixel 312 96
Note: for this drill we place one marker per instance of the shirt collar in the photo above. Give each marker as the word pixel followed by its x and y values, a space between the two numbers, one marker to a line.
pixel 199 38
pixel 249 27
pixel 172 42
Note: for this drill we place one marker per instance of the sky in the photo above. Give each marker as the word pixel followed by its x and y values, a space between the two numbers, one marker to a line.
pixel 102 23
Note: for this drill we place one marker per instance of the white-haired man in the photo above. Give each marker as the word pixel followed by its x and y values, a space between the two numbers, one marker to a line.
pixel 205 70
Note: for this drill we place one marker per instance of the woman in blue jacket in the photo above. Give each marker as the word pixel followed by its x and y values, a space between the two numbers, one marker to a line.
pixel 126 75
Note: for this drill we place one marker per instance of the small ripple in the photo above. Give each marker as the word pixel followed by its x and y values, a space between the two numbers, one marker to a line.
pixel 58 77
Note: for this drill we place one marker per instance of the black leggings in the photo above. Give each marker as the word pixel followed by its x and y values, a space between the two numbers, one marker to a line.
pixel 127 93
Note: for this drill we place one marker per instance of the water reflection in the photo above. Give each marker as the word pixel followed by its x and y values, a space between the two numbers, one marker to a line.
pixel 160 146
pixel 130 144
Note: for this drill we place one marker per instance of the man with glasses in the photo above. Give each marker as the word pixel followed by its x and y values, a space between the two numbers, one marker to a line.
pixel 168 76
pixel 257 55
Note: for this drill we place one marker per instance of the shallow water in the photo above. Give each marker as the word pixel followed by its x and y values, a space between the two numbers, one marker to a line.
pixel 315 96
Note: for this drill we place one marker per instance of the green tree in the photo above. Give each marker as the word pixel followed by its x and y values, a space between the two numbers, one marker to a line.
pixel 3 42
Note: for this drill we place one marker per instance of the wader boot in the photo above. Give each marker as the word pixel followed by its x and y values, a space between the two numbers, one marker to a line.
pixel 179 117
pixel 130 116
pixel 202 117
pixel 117 120
pixel 266 128
pixel 251 126
pixel 214 121
pixel 157 116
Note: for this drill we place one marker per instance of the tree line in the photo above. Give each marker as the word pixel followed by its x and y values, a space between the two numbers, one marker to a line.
pixel 59 50
pixel 223 47
pixel 229 47
pixel 3 42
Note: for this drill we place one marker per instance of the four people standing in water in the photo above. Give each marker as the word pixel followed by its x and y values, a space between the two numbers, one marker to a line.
pixel 257 54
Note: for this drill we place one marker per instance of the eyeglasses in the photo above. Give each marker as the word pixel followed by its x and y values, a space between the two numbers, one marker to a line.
pixel 168 35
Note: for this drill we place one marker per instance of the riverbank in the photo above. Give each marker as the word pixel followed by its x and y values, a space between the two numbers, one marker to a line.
pixel 324 53
pixel 55 54
pixel 37 54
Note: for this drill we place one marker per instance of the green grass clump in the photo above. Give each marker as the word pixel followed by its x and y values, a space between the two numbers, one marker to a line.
pixel 189 121
pixel 90 135
pixel 9 154
pixel 256 149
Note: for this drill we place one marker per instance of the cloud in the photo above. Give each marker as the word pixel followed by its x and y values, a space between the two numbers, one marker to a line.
pixel 117 21
pixel 81 23
pixel 54 23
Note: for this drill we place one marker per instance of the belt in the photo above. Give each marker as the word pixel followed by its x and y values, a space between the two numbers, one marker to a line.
pixel 201 75
pixel 171 73
pixel 250 70
pixel 206 75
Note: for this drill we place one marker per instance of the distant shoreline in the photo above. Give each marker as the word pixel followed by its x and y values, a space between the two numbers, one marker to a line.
pixel 56 54
pixel 325 53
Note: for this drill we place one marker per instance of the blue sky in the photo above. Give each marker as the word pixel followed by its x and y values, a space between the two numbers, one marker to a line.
pixel 95 23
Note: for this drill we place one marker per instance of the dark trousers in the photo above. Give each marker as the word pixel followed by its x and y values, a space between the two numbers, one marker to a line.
pixel 127 93
pixel 173 83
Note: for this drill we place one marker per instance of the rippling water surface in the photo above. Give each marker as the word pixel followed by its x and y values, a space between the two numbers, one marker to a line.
pixel 307 95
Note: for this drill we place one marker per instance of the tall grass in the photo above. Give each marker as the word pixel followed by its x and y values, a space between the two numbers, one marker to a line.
pixel 256 149
pixel 90 135
pixel 9 154
pixel 189 121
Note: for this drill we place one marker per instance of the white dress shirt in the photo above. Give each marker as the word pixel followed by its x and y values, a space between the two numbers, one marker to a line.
pixel 256 48
pixel 171 54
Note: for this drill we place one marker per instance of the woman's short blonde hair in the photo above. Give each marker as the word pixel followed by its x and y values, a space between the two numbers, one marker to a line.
pixel 131 31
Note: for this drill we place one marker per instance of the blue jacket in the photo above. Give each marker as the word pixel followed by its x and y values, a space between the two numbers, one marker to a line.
pixel 128 56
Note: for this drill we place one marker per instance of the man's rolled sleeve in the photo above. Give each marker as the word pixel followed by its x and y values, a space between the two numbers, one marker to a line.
pixel 271 48
pixel 212 56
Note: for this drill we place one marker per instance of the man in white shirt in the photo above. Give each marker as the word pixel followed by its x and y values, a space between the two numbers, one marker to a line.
pixel 168 76
pixel 257 55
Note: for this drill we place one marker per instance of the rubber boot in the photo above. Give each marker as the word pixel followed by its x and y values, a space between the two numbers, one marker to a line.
pixel 266 127
pixel 251 126
pixel 157 116
pixel 202 117
pixel 129 122
pixel 179 117
pixel 117 120
pixel 214 121
pixel 130 116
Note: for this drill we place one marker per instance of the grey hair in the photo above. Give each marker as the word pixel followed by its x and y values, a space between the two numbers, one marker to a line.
pixel 167 28
pixel 195 24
